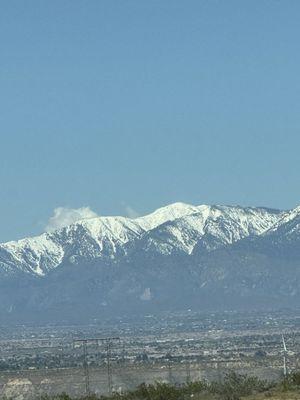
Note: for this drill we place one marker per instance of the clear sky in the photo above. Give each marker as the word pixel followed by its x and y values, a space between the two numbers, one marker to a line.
pixel 133 104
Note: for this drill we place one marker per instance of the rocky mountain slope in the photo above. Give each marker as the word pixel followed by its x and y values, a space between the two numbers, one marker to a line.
pixel 179 256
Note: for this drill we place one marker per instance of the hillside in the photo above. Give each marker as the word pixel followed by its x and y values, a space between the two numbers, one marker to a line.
pixel 216 257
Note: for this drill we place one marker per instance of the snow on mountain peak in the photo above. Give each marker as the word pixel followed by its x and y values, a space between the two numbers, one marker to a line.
pixel 164 214
pixel 34 255
pixel 87 238
pixel 178 225
pixel 223 225
pixel 287 225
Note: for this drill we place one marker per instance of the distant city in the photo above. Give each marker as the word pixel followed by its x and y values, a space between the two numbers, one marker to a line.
pixel 118 354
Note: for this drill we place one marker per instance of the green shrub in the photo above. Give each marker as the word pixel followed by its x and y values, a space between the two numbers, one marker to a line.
pixel 234 386
pixel 295 378
pixel 291 381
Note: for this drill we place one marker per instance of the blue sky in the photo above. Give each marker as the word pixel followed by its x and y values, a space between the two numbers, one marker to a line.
pixel 133 104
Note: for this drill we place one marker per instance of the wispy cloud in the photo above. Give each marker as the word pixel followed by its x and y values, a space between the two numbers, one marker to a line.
pixel 131 212
pixel 63 216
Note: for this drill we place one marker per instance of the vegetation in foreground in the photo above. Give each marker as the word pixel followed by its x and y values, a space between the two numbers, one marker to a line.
pixel 233 387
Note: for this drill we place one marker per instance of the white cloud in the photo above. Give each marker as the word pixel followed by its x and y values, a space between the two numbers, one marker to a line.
pixel 131 212
pixel 63 216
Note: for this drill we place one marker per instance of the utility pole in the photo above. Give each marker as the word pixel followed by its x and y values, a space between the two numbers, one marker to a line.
pixel 123 353
pixel 188 372
pixel 109 374
pixel 108 341
pixel 170 372
pixel 219 374
pixel 284 356
pixel 84 342
pixel 188 365
pixel 86 369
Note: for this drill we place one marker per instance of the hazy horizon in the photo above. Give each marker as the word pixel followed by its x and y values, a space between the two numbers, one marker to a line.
pixel 124 107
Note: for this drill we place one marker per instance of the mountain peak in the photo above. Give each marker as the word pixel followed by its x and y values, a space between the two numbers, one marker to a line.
pixel 166 213
pixel 179 248
pixel 178 226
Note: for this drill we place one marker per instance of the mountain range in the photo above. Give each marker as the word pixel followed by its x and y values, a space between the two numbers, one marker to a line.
pixel 180 256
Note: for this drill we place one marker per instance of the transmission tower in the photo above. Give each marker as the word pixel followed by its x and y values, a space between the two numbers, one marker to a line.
pixel 188 371
pixel 108 341
pixel 84 342
pixel 219 373
pixel 170 375
pixel 188 365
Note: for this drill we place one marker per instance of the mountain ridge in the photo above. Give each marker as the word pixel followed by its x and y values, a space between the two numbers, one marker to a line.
pixel 106 236
pixel 180 256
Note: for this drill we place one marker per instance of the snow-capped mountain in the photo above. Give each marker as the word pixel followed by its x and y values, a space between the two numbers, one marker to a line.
pixel 177 227
pixel 165 214
pixel 213 256
pixel 84 240
pixel 211 227
pixel 288 226
pixel 100 237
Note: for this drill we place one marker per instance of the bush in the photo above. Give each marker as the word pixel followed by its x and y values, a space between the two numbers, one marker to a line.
pixel 236 385
pixel 295 378
pixel 291 381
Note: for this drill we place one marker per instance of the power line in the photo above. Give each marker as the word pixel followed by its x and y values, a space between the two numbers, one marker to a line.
pixel 108 341
pixel 85 363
